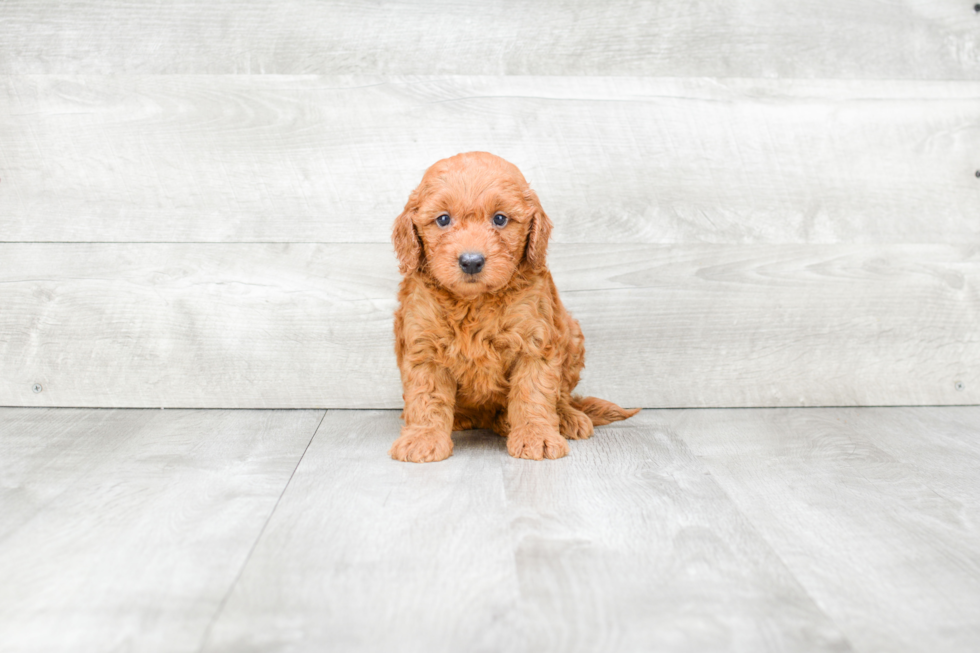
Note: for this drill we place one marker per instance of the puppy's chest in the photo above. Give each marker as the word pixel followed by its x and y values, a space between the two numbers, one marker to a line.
pixel 480 354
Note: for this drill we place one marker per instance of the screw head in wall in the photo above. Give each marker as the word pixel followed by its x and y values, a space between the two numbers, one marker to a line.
pixel 36 388
pixel 959 386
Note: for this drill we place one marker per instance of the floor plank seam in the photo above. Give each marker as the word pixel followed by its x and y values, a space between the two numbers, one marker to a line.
pixel 258 538
pixel 752 525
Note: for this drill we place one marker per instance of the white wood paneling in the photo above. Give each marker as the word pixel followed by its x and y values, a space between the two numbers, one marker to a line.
pixel 626 544
pixel 332 159
pixel 874 510
pixel 133 525
pixel 914 39
pixel 275 325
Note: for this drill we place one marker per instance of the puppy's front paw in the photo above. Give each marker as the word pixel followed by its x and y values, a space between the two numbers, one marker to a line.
pixel 574 424
pixel 418 445
pixel 536 442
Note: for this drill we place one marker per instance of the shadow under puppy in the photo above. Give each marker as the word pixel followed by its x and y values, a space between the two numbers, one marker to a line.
pixel 482 339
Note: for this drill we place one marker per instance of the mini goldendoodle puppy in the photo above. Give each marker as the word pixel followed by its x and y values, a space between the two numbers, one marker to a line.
pixel 482 339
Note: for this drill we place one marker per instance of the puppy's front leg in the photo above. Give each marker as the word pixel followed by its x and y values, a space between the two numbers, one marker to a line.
pixel 430 398
pixel 532 410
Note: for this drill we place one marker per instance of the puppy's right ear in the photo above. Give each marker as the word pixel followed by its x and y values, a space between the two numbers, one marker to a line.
pixel 408 247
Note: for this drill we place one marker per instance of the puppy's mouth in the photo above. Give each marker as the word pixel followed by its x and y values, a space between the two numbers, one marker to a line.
pixel 471 285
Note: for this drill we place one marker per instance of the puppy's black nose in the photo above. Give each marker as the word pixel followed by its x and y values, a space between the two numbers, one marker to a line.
pixel 471 263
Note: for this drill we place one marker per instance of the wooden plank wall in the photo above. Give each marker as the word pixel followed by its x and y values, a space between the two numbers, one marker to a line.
pixel 756 203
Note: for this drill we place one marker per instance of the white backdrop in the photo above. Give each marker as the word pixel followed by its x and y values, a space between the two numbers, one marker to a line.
pixel 753 206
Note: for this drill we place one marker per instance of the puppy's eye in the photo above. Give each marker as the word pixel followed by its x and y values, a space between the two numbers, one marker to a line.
pixel 500 219
pixel 443 220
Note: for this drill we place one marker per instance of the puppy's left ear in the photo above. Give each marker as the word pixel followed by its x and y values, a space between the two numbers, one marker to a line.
pixel 408 247
pixel 538 234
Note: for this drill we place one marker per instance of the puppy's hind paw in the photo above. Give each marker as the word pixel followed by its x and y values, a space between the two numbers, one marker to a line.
pixel 574 424
pixel 536 443
pixel 421 446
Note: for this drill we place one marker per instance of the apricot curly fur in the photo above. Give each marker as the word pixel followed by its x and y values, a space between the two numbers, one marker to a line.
pixel 495 349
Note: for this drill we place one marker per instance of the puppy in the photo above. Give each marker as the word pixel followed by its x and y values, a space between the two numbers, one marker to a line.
pixel 481 337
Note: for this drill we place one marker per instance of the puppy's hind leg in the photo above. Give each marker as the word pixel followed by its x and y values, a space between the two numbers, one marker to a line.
pixel 572 422
pixel 464 420
pixel 501 425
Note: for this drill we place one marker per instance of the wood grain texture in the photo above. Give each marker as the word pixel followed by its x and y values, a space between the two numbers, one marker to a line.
pixel 941 444
pixel 44 452
pixel 310 325
pixel 133 525
pixel 692 530
pixel 624 545
pixel 628 544
pixel 916 39
pixel 874 510
pixel 639 160
pixel 366 553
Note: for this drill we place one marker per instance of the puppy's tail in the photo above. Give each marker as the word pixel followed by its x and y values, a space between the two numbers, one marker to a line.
pixel 601 411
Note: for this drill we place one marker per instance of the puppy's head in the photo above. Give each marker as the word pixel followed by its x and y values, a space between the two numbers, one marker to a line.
pixel 471 224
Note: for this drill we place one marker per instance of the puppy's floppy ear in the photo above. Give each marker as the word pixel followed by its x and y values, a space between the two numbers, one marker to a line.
pixel 408 247
pixel 538 234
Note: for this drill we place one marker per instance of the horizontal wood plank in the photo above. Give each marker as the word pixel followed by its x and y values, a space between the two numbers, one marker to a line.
pixel 916 39
pixel 278 325
pixel 875 511
pixel 133 525
pixel 332 159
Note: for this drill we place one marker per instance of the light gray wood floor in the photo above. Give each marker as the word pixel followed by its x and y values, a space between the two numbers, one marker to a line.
pixel 803 529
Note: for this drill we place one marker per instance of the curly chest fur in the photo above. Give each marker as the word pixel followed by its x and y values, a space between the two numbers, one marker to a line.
pixel 479 353
pixel 477 342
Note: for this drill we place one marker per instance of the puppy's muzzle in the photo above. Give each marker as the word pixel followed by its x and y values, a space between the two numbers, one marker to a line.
pixel 471 263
